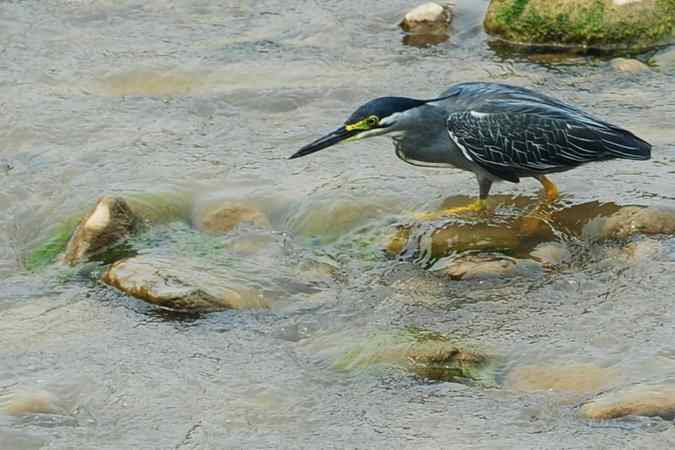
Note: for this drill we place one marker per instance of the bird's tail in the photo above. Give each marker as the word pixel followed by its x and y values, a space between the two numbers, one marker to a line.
pixel 623 144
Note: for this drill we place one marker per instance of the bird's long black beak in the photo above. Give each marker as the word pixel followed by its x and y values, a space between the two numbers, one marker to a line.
pixel 333 138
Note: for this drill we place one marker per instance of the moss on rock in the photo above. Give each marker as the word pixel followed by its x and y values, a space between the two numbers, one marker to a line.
pixel 46 253
pixel 584 24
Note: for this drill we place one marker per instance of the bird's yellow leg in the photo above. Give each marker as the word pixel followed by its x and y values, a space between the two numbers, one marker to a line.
pixel 539 216
pixel 550 189
pixel 476 206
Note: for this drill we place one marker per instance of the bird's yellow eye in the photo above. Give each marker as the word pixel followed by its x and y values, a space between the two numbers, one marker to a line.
pixel 372 121
pixel 365 124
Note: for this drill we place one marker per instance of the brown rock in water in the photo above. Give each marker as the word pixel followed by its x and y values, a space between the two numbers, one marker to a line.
pixel 109 223
pixel 429 18
pixel 225 217
pixel 179 284
pixel 31 402
pixel 577 378
pixel 458 237
pixel 426 354
pixel 629 221
pixel 628 65
pixel 474 267
pixel 638 400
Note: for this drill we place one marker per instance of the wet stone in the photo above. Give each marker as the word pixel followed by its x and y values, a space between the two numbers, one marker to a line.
pixel 426 354
pixel 627 65
pixel 629 221
pixel 429 18
pixel 179 284
pixel 110 223
pixel 56 399
pixel 576 378
pixel 481 267
pixel 328 218
pixel 225 217
pixel 637 400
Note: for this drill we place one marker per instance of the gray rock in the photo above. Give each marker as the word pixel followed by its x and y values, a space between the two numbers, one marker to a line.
pixel 110 222
pixel 179 284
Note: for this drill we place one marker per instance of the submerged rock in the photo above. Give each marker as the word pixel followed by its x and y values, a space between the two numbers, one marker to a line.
pixel 179 284
pixel 551 254
pixel 429 18
pixel 426 354
pixel 461 235
pixel 54 399
pixel 226 216
pixel 111 222
pixel 629 221
pixel 638 400
pixel 327 219
pixel 480 267
pixel 576 378
pixel 583 24
pixel 31 402
pixel 628 65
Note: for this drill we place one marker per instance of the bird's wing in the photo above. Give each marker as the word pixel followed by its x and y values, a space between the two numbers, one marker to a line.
pixel 529 138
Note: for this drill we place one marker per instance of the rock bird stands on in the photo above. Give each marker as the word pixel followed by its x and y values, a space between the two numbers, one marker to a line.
pixel 496 131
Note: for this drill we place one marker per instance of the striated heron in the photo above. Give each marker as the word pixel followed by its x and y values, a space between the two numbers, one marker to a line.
pixel 498 132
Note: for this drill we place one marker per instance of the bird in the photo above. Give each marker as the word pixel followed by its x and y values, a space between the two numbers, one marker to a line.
pixel 499 132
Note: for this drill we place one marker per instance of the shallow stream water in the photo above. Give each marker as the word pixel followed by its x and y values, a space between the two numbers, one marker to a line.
pixel 199 101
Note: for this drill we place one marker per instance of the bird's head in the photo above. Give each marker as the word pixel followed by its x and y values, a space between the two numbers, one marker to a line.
pixel 377 117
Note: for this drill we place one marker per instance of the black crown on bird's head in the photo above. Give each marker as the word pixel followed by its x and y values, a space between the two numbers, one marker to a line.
pixel 383 107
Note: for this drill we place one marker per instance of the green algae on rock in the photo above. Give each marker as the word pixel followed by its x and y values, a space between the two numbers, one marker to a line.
pixel 582 24
pixel 47 252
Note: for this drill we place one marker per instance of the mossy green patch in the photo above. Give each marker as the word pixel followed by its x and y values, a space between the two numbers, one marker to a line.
pixel 595 24
pixel 512 11
pixel 46 253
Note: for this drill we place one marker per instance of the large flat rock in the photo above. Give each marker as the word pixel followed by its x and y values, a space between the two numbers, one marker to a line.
pixel 179 284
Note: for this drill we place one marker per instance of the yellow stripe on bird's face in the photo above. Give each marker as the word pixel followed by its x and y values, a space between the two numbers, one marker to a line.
pixel 365 124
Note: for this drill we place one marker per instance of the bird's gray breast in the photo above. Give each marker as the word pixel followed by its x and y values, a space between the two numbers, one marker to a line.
pixel 430 148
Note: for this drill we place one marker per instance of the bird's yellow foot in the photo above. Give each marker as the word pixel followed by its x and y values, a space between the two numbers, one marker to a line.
pixel 550 190
pixel 477 206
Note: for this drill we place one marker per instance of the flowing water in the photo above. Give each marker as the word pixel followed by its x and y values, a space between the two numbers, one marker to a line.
pixel 199 101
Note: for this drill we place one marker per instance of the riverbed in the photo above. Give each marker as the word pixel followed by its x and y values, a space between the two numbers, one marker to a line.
pixel 197 102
